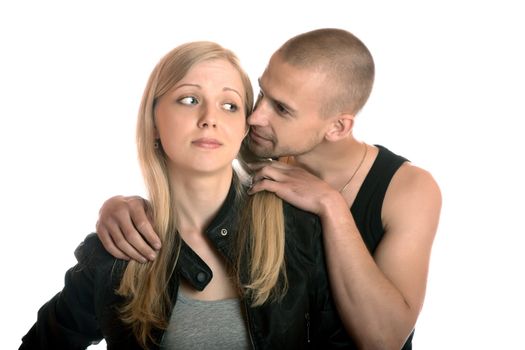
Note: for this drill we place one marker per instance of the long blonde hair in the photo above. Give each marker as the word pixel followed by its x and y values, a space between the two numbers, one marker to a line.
pixel 148 303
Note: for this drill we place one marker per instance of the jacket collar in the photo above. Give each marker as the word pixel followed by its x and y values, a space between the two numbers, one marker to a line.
pixel 221 233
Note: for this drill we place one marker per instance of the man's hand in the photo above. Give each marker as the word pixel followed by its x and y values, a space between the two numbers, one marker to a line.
pixel 291 183
pixel 125 229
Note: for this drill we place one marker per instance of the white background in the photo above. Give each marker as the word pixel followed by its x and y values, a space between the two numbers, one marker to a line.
pixel 449 96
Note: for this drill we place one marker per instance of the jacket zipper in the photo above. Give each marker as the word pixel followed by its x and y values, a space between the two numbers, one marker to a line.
pixel 307 317
pixel 248 324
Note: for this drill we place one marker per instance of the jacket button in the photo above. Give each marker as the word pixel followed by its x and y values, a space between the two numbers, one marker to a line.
pixel 201 277
pixel 224 232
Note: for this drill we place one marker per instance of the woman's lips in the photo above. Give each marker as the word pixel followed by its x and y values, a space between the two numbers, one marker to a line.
pixel 207 143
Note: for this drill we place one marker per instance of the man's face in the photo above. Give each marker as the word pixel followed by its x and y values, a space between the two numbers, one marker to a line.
pixel 286 120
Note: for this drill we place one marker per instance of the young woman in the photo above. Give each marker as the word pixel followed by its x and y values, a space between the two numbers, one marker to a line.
pixel 233 271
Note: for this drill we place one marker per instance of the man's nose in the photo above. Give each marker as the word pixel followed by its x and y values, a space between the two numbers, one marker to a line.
pixel 259 116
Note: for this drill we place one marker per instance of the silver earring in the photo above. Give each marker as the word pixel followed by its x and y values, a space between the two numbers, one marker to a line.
pixel 156 144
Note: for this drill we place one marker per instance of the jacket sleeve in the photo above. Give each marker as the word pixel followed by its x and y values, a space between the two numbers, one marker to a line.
pixel 68 320
pixel 326 326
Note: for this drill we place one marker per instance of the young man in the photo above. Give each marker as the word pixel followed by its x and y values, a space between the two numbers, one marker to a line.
pixel 378 251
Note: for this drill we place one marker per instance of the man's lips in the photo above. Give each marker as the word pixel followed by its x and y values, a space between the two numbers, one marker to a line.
pixel 257 137
pixel 206 143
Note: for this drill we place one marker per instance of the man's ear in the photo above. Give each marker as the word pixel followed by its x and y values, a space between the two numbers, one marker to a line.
pixel 340 127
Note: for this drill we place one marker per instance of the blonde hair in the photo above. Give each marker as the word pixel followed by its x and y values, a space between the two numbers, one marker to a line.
pixel 148 303
pixel 344 58
pixel 263 241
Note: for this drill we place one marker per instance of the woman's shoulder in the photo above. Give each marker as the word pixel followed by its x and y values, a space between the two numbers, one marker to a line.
pixel 90 252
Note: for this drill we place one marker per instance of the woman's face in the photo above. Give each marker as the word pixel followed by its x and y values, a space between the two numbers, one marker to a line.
pixel 201 121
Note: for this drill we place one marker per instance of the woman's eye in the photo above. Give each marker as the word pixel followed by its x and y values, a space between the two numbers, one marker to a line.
pixel 232 107
pixel 189 100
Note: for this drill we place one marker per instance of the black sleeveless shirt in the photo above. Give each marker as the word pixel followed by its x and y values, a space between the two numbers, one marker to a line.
pixel 368 203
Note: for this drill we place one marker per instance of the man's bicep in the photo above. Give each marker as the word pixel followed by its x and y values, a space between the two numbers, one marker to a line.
pixel 410 215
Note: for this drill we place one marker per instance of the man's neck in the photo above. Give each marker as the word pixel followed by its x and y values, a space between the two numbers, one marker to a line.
pixel 331 160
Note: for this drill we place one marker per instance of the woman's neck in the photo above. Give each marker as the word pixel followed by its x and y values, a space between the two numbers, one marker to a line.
pixel 197 199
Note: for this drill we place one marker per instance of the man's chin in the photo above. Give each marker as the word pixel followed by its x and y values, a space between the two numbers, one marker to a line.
pixel 260 150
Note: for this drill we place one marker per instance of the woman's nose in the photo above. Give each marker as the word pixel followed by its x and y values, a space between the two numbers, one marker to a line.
pixel 207 119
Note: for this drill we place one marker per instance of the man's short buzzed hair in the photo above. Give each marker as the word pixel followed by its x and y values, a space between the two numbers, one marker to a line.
pixel 348 64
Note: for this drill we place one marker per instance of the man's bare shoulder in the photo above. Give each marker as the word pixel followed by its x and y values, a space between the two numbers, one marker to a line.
pixel 411 180
pixel 412 192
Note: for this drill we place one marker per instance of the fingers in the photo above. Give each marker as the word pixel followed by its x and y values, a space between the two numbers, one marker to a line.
pixel 270 176
pixel 129 239
pixel 120 235
pixel 142 222
pixel 108 244
pixel 271 171
pixel 113 240
pixel 267 185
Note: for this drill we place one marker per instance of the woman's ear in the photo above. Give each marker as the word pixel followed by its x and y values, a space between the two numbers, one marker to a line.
pixel 340 128
pixel 156 132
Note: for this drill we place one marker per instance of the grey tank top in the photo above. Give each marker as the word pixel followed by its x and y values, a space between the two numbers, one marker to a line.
pixel 198 324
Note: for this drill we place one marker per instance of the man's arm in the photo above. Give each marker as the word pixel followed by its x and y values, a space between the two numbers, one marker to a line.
pixel 124 228
pixel 378 297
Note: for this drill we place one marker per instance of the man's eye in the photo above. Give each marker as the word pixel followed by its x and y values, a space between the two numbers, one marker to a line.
pixel 281 109
pixel 189 100
pixel 232 107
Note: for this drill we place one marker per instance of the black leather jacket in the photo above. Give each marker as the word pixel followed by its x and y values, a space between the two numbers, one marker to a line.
pixel 84 311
